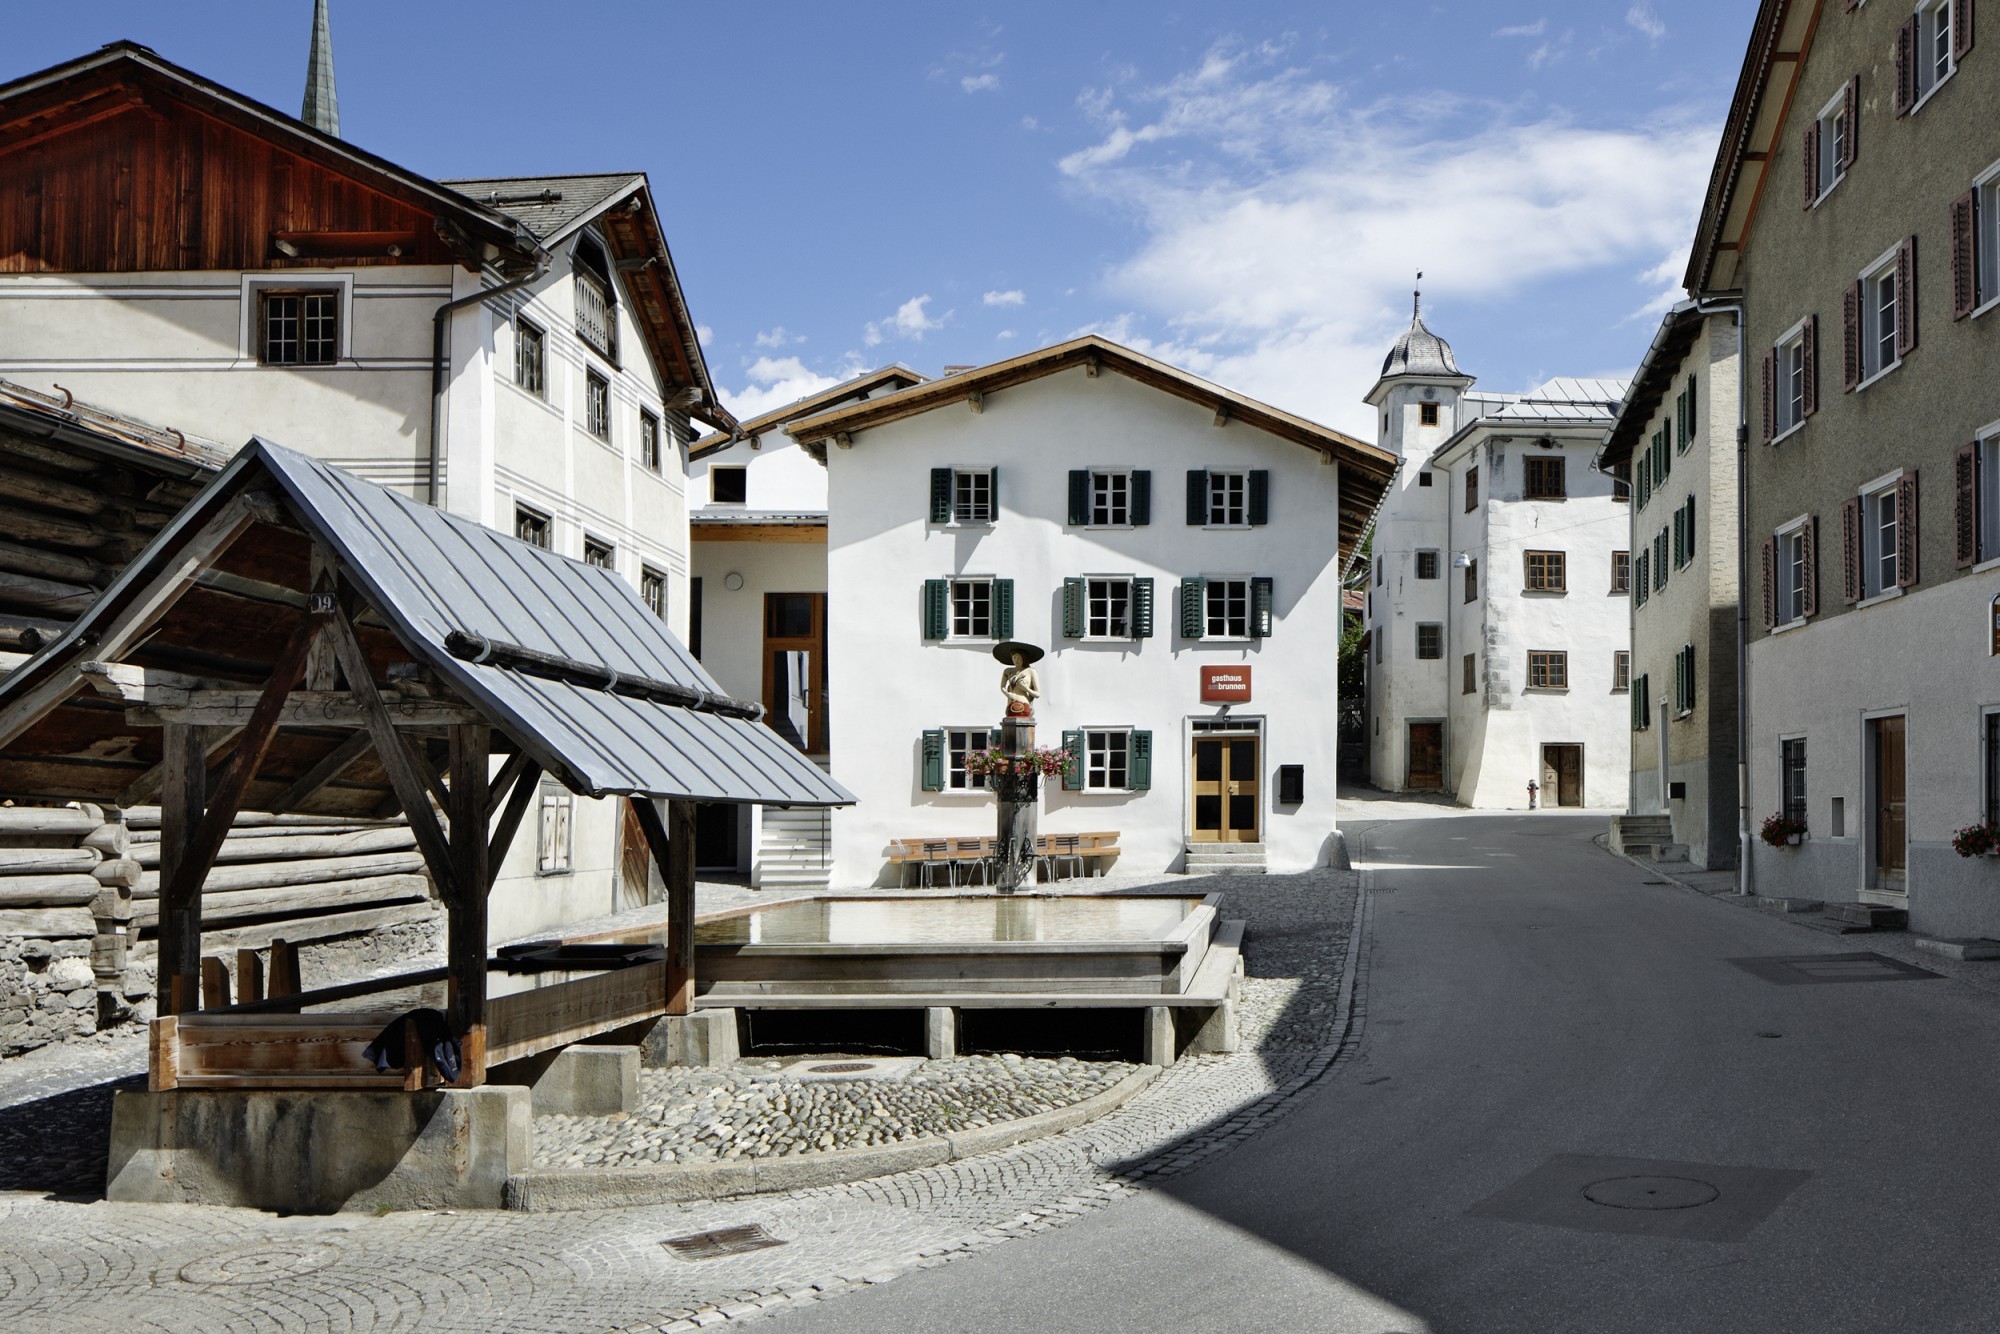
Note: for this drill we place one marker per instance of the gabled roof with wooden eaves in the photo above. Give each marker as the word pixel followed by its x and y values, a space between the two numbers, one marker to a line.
pixel 167 170
pixel 436 621
pixel 1780 40
pixel 1365 470
pixel 1658 373
pixel 890 377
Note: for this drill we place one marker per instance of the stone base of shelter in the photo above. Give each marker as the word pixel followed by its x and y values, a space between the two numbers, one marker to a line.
pixel 320 1152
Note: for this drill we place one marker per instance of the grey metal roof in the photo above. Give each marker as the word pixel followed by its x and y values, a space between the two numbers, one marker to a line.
pixel 548 206
pixel 428 573
pixel 1418 351
pixel 1565 398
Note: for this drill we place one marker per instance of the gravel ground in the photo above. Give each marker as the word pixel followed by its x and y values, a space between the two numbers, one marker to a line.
pixel 705 1116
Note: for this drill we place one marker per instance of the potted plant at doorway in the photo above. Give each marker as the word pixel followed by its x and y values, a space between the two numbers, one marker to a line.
pixel 1781 831
pixel 1977 840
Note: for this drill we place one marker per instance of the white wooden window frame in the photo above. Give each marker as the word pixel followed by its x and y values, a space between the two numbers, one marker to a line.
pixel 971 583
pixel 1091 619
pixel 1874 588
pixel 958 743
pixel 1791 572
pixel 1933 41
pixel 1789 398
pixel 1105 741
pixel 1114 486
pixel 1832 133
pixel 1882 270
pixel 1213 583
pixel 1228 491
pixel 1986 242
pixel 250 314
pixel 965 481
pixel 1987 502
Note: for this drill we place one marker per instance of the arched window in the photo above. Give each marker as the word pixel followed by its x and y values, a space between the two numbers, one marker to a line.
pixel 596 297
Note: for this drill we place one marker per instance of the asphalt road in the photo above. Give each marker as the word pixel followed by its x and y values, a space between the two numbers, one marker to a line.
pixel 1530 996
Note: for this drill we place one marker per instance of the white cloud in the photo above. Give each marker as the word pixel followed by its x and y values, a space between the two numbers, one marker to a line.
pixel 1535 29
pixel 910 321
pixel 980 83
pixel 778 337
pixel 1004 335
pixel 776 381
pixel 1016 297
pixel 1642 17
pixel 702 334
pixel 1284 223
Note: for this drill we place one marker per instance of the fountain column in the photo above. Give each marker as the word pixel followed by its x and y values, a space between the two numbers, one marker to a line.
pixel 1019 801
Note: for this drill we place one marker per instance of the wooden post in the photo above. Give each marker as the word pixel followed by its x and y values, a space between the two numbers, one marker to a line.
pixel 249 977
pixel 183 800
pixel 214 983
pixel 284 980
pixel 465 901
pixel 672 844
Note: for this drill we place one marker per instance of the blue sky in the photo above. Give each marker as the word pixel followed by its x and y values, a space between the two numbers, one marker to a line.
pixel 1246 190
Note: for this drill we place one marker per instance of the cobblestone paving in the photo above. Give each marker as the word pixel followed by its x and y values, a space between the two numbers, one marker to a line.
pixel 79 1268
pixel 749 1111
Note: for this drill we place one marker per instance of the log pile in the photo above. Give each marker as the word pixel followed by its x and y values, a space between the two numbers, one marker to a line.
pixel 65 914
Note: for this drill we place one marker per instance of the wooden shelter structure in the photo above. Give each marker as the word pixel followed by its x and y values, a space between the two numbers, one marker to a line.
pixel 398 657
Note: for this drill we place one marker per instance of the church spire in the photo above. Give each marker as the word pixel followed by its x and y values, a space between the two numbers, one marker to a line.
pixel 322 105
pixel 1417 300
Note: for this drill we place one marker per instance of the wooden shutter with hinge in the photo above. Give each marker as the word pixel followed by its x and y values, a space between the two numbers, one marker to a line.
pixel 1964 213
pixel 1965 487
pixel 1193 613
pixel 1906 530
pixel 1073 593
pixel 1850 550
pixel 1003 608
pixel 1079 496
pixel 1851 130
pixel 1197 497
pixel 1073 743
pixel 1260 607
pixel 1809 366
pixel 1142 608
pixel 1142 498
pixel 1770 582
pixel 1139 762
pixel 937 608
pixel 1906 67
pixel 1809 163
pixel 933 760
pixel 1850 337
pixel 1906 296
pixel 1770 393
pixel 1809 567
pixel 940 495
pixel 1260 497
pixel 1961 29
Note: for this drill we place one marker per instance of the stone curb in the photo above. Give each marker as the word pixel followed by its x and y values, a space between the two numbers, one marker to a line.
pixel 553 1189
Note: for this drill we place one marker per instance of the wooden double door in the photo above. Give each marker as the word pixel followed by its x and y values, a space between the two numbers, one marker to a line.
pixel 1226 790
pixel 1562 775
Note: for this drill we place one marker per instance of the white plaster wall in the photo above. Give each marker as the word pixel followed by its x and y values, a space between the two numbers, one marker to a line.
pixel 781 476
pixel 890 684
pixel 732 623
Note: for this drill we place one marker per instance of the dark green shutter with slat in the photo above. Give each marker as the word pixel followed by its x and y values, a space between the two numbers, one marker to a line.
pixel 1139 762
pixel 1003 608
pixel 1689 652
pixel 937 607
pixel 993 494
pixel 1260 497
pixel 1079 496
pixel 1197 506
pixel 1142 608
pixel 1142 498
pixel 1260 608
pixel 1072 608
pixel 1192 611
pixel 934 760
pixel 1073 743
pixel 940 495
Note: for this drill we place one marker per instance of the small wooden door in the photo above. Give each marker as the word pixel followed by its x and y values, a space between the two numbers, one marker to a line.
pixel 1891 803
pixel 1426 756
pixel 1562 775
pixel 1225 790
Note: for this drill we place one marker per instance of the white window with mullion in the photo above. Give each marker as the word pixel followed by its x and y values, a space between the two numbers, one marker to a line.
pixel 1110 499
pixel 1791 380
pixel 1107 759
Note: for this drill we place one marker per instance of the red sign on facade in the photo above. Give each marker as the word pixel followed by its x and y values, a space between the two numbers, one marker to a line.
pixel 1225 685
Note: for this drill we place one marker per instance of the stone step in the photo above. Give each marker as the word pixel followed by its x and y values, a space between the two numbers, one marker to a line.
pixel 1868 916
pixel 1669 852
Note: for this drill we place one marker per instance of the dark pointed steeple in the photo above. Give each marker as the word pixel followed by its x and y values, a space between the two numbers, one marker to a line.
pixel 322 105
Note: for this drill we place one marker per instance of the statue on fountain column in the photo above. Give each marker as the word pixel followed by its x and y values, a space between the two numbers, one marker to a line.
pixel 1018 681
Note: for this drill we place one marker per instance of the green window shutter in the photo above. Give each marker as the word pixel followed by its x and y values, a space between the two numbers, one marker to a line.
pixel 937 607
pixel 1073 743
pixel 1139 762
pixel 934 760
pixel 1193 614
pixel 1693 417
pixel 1072 608
pixel 1079 496
pixel 1003 608
pixel 994 493
pixel 1260 607
pixel 1142 608
pixel 1260 496
pixel 1689 652
pixel 1197 506
pixel 1690 528
pixel 1142 498
pixel 940 495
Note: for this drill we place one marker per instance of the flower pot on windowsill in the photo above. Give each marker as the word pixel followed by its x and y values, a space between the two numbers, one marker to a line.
pixel 1793 840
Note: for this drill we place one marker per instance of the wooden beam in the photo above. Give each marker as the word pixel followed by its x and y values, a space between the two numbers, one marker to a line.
pixel 976 401
pixel 800 533
pixel 1222 414
pixel 465 928
pixel 525 786
pixel 146 786
pixel 672 846
pixel 305 708
pixel 403 777
pixel 322 665
pixel 312 780
pixel 183 799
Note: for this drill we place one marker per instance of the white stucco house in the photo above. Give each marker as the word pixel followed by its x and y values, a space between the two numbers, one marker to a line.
pixel 1498 647
pixel 1175 546
pixel 757 614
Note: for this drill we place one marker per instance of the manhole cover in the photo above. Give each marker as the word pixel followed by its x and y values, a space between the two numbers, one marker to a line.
pixel 840 1068
pixel 260 1264
pixel 1651 1193
pixel 722 1241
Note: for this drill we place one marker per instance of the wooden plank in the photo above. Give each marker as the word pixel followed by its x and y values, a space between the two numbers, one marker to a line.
pixel 522 1023
pixel 249 976
pixel 322 1082
pixel 14 861
pixel 232 708
pixel 163 1054
pixel 57 821
pixel 45 564
pixel 50 492
pixel 45 595
pixel 214 987
pixel 184 797
pixel 306 929
pixel 47 891
pixel 48 923
pixel 284 979
pixel 672 845
pixel 303 871
pixel 37 526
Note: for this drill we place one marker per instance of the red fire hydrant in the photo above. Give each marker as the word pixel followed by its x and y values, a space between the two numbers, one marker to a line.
pixel 1532 790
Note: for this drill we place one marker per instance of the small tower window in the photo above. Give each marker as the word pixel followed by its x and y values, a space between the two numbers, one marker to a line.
pixel 1427 414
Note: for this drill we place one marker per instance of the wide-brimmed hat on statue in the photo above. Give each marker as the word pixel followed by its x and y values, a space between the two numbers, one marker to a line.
pixel 1006 649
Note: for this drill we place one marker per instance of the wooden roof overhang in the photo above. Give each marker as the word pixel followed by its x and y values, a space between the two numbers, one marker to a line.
pixel 639 249
pixel 900 377
pixel 1365 470
pixel 1658 374
pixel 1780 40
pixel 124 78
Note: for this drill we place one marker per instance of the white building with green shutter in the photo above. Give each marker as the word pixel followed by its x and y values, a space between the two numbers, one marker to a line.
pixel 1191 649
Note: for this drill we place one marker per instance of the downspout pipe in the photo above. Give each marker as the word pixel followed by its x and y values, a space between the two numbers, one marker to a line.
pixel 440 371
pixel 1746 878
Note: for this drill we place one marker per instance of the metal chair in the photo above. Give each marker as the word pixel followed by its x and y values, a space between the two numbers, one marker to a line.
pixel 1066 849
pixel 972 854
pixel 936 853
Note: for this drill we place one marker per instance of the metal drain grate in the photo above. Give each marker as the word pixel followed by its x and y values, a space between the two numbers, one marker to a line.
pixel 722 1241
pixel 840 1068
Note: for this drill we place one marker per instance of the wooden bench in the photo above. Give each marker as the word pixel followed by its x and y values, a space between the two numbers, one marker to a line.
pixel 1096 848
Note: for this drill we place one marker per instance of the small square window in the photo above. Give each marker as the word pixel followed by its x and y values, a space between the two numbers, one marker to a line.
pixel 1228 498
pixel 1471 489
pixel 1228 607
pixel 1108 610
pixel 1423 479
pixel 1543 479
pixel 531 526
pixel 972 496
pixel 1621 572
pixel 1472 581
pixel 653 591
pixel 1621 670
pixel 728 486
pixel 301 328
pixel 960 742
pixel 531 363
pixel 972 608
pixel 1427 414
pixel 1110 499
pixel 600 554
pixel 1547 670
pixel 1546 572
pixel 1107 760
pixel 1430 639
pixel 1427 565
pixel 1470 667
pixel 597 405
pixel 649 442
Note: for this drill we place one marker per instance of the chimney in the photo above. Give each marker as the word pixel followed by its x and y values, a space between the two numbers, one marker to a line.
pixel 322 105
